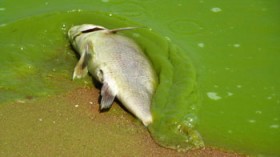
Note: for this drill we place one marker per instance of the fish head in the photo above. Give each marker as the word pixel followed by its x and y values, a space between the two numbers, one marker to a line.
pixel 77 31
pixel 82 38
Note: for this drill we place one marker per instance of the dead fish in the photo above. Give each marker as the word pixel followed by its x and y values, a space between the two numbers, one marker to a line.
pixel 119 64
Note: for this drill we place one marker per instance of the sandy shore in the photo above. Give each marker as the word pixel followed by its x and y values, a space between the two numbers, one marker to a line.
pixel 70 124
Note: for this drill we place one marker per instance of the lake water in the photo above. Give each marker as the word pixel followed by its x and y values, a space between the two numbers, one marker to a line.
pixel 233 46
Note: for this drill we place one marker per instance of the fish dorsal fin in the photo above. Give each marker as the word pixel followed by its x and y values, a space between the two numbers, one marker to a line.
pixel 123 29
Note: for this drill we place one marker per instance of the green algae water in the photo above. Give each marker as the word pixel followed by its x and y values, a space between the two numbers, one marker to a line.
pixel 36 60
pixel 179 134
pixel 233 45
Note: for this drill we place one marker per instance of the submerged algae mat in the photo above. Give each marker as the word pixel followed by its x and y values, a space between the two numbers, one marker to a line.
pixel 39 62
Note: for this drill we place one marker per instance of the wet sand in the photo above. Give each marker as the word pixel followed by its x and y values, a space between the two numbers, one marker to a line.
pixel 70 124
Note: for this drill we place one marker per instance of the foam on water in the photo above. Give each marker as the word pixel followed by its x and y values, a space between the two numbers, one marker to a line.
pixel 213 96
pixel 216 9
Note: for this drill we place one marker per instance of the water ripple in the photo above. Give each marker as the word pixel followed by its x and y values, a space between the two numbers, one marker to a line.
pixel 185 26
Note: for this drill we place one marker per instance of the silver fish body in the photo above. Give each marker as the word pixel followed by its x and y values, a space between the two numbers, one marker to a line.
pixel 119 64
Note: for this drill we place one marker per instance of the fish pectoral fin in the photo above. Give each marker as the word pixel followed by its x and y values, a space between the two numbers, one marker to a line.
pixel 81 69
pixel 108 95
pixel 79 72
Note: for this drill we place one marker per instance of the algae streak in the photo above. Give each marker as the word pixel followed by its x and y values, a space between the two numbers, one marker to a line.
pixel 176 99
